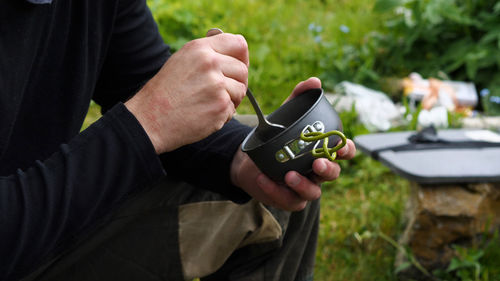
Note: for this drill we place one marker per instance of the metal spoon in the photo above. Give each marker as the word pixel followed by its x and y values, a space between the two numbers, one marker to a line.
pixel 265 129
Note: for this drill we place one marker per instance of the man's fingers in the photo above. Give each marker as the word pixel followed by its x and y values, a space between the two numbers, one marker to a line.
pixel 311 83
pixel 233 68
pixel 283 197
pixel 235 75
pixel 233 62
pixel 348 151
pixel 236 90
pixel 325 170
pixel 305 188
pixel 231 45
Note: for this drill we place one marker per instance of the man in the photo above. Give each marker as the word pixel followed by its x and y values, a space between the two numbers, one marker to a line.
pixel 97 205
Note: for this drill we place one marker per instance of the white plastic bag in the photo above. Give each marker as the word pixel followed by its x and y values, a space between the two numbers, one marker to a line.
pixel 375 110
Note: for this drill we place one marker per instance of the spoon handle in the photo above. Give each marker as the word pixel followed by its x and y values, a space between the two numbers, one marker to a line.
pixel 256 107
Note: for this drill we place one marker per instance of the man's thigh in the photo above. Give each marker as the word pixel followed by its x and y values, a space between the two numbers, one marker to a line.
pixel 172 232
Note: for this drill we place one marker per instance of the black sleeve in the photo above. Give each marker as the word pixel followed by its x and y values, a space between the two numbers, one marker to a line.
pixel 136 53
pixel 45 206
pixel 207 163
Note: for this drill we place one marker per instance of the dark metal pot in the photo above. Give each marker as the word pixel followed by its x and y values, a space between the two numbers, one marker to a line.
pixel 310 111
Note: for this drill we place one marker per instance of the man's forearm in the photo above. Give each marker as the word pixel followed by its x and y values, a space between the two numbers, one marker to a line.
pixel 45 206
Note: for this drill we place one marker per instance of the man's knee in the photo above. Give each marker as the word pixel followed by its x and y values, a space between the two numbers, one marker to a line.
pixel 209 232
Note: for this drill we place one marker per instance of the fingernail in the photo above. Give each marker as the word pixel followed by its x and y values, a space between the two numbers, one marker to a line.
pixel 321 166
pixel 344 150
pixel 293 180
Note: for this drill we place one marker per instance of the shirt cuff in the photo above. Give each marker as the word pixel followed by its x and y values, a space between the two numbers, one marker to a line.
pixel 129 128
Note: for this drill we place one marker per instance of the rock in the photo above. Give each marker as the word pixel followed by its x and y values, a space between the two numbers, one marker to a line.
pixel 440 216
pixel 247 119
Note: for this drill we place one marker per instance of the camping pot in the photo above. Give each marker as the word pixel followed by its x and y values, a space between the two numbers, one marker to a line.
pixel 308 112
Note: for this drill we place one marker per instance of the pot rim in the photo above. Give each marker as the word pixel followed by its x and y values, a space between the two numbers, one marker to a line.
pixel 318 100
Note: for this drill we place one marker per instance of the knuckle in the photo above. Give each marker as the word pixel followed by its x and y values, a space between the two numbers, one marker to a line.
pixel 220 119
pixel 244 72
pixel 220 85
pixel 215 85
pixel 228 107
pixel 222 100
pixel 299 206
pixel 241 92
pixel 224 108
pixel 193 45
pixel 241 48
pixel 218 125
pixel 241 41
pixel 207 60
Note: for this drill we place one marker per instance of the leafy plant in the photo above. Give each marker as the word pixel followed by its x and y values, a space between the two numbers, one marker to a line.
pixel 459 39
pixel 474 262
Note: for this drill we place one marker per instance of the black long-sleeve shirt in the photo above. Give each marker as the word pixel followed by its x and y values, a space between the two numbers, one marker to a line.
pixel 54 181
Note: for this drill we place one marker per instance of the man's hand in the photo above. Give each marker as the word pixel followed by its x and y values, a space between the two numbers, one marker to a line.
pixel 195 93
pixel 298 189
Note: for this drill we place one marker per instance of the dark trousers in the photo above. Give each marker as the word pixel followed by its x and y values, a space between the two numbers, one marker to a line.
pixel 178 232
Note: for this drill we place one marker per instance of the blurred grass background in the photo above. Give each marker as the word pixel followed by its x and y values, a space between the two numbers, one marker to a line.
pixel 370 42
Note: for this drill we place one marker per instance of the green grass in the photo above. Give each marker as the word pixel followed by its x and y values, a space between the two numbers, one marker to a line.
pixel 289 41
pixel 365 200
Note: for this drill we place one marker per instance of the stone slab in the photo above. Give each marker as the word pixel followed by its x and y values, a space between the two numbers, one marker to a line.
pixel 439 218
